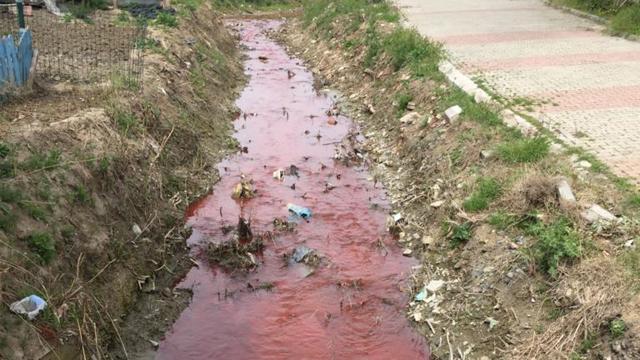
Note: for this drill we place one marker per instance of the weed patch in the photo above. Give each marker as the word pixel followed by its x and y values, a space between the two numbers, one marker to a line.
pixel 524 150
pixel 617 328
pixel 43 161
pixel 556 243
pixel 487 190
pixel 166 19
pixel 627 21
pixel 9 194
pixel 460 234
pixel 43 246
pixel 407 47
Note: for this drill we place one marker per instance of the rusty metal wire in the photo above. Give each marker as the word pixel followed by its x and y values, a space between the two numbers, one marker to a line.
pixel 81 51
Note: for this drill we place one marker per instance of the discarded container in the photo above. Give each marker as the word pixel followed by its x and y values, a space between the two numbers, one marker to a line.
pixel 300 211
pixel 300 253
pixel 278 174
pixel 31 306
pixel 421 295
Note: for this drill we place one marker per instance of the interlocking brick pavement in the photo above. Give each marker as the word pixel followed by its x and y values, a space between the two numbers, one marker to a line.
pixel 588 83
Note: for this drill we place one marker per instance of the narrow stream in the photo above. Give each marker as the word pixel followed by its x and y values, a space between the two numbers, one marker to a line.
pixel 352 306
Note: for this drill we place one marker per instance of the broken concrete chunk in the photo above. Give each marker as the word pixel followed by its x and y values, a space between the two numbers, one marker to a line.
pixel 481 96
pixel 411 106
pixel 434 285
pixel 410 117
pixel 453 113
pixel 565 194
pixel 596 213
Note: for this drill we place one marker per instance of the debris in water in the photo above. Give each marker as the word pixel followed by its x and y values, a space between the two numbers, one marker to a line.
pixel 328 187
pixel 300 211
pixel 293 171
pixel 283 225
pixel 31 306
pixel 263 58
pixel 243 190
pixel 332 120
pixel 232 255
pixel 244 229
pixel 279 174
pixel 304 255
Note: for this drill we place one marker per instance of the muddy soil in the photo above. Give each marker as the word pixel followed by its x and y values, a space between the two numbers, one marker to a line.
pixel 327 286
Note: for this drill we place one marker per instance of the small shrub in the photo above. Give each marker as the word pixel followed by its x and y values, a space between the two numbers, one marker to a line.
pixel 460 234
pixel 403 99
pixel 7 220
pixel 487 190
pixel 524 150
pixel 167 19
pixel 627 20
pixel 617 328
pixel 556 243
pixel 125 121
pixel 42 244
pixel 34 210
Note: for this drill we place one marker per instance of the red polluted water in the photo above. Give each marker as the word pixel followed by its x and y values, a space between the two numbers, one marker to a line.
pixel 352 305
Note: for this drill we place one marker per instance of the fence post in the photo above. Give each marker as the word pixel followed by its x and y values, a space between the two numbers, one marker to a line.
pixel 20 5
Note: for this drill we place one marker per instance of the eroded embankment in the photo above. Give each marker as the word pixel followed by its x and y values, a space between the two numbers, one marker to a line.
pixel 94 183
pixel 508 271
pixel 330 287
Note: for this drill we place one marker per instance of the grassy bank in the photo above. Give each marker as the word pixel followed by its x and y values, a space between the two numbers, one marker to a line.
pixel 94 182
pixel 492 227
pixel 624 16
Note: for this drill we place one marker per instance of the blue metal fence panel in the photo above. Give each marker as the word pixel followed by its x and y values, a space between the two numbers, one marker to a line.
pixel 15 62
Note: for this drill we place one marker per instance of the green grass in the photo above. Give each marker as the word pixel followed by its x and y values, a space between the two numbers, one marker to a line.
pixel 634 201
pixel 524 150
pixel 166 19
pixel 126 121
pixel 501 220
pixel 5 150
pixel 407 48
pixel 35 211
pixel 43 160
pixel 486 191
pixel 617 328
pixel 555 244
pixel 479 113
pixel 43 245
pixel 627 20
pixel 81 195
pixel 8 220
pixel 460 234
pixel 402 100
pixel 9 194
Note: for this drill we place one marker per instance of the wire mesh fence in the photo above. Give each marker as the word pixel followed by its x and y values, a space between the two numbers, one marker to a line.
pixel 95 51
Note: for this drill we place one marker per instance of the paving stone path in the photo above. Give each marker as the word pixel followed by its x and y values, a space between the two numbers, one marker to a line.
pixel 585 85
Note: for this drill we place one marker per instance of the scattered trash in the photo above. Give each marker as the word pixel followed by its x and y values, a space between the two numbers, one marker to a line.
pixel 370 109
pixel 491 322
pixel 630 244
pixel 453 113
pixel 136 229
pixel 427 240
pixel 486 154
pixel 407 252
pixel 300 211
pixel 305 255
pixel 434 285
pixel 328 187
pixel 332 120
pixel 437 204
pixel 290 74
pixel 421 295
pixel 148 11
pixel 244 229
pixel 155 344
pixel 31 306
pixel 278 174
pixel 300 253
pixel 411 106
pixel 243 190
